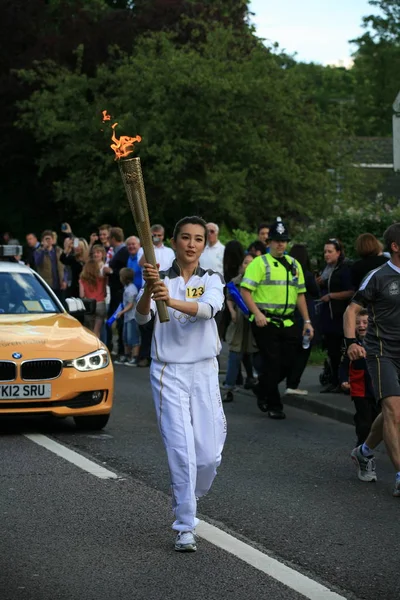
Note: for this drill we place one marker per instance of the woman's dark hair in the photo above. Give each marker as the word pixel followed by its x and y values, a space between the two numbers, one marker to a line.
pixel 300 253
pixel 392 236
pixel 339 247
pixel 262 226
pixel 190 221
pixel 233 258
pixel 256 246
pixel 368 245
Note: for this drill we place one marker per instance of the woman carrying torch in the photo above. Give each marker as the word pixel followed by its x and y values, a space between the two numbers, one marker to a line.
pixel 184 372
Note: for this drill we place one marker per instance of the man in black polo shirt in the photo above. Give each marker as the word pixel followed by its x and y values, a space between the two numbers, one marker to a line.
pixel 380 293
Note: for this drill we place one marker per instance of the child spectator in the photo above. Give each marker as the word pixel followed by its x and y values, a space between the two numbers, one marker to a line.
pixel 92 285
pixel 354 378
pixel 131 330
pixel 240 340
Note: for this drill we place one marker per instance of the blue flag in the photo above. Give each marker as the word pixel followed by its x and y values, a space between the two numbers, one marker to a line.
pixel 113 317
pixel 237 298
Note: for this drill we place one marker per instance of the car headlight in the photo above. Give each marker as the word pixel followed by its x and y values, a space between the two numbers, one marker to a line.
pixel 90 362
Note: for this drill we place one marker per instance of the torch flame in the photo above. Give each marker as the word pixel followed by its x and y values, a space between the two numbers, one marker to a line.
pixel 106 116
pixel 124 145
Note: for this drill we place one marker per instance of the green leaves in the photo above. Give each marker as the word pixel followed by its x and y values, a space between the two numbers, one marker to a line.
pixel 229 138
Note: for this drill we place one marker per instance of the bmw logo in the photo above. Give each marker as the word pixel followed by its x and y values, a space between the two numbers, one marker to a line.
pixel 17 355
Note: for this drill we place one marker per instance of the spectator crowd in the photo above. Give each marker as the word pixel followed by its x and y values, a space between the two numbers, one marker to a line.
pixel 106 272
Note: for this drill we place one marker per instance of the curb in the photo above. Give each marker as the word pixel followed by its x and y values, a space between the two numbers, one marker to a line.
pixel 311 404
pixel 323 409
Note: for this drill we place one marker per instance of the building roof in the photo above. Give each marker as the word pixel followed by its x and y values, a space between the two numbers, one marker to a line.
pixel 372 152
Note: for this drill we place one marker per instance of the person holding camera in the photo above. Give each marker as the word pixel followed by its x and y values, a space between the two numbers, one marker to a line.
pixel 48 264
pixel 74 256
pixel 164 256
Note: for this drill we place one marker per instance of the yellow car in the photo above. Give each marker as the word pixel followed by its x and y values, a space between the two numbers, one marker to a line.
pixel 49 363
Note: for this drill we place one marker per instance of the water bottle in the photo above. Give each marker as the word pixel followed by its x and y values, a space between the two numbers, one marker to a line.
pixel 306 339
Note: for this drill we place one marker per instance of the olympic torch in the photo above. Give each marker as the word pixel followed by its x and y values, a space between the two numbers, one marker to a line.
pixel 132 177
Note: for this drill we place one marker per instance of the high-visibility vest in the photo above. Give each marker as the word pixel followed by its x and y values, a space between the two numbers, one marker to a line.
pixel 274 288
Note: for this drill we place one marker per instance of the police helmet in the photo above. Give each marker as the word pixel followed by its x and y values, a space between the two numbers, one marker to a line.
pixel 278 231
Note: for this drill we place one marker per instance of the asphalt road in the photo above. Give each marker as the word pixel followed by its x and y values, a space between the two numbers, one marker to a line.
pixel 287 488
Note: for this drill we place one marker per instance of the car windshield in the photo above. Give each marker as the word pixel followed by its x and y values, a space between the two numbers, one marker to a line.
pixel 23 293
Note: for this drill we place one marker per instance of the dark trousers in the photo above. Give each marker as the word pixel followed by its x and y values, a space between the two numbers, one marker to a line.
pixel 333 344
pixel 115 301
pixel 277 347
pixel 299 363
pixel 247 362
pixel 146 334
pixel 366 413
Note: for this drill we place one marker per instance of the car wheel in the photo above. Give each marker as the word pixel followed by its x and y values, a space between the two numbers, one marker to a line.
pixel 92 422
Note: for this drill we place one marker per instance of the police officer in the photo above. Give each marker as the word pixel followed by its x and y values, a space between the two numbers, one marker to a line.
pixel 272 288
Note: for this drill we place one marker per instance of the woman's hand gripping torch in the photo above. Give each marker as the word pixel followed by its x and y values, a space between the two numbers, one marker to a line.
pixel 132 177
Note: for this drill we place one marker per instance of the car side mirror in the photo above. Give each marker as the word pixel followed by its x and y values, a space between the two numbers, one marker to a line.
pixel 75 306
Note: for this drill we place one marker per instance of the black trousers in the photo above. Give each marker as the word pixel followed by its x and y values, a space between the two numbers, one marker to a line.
pixel 333 343
pixel 115 301
pixel 366 413
pixel 277 347
pixel 299 363
pixel 146 334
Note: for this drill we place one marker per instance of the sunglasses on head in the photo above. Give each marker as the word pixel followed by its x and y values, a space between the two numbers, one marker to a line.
pixel 335 242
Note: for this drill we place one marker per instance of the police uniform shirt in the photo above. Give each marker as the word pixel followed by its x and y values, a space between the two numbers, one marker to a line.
pixel 186 339
pixel 380 293
pixel 267 278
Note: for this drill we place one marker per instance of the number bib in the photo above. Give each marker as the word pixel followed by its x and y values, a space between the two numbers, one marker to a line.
pixel 194 292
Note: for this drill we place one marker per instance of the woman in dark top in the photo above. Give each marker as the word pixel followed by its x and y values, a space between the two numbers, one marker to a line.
pixel 300 253
pixel 369 248
pixel 74 259
pixel 336 290
pixel 233 258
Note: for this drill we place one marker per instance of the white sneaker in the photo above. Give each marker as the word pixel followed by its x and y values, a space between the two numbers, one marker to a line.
pixel 365 466
pixel 122 360
pixel 396 489
pixel 292 392
pixel 186 541
pixel 132 362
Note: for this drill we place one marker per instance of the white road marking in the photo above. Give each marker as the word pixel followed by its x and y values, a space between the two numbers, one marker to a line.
pixel 73 457
pixel 263 562
pixel 293 579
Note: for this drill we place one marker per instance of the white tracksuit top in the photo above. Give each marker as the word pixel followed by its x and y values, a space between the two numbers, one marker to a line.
pixel 186 339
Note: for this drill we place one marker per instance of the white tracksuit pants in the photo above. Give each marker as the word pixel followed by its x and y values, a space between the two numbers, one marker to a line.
pixel 193 427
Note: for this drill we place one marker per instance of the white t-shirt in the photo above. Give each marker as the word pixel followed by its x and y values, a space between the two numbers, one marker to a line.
pixel 213 258
pixel 164 256
pixel 186 339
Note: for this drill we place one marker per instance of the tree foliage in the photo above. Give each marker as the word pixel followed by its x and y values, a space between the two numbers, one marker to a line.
pixel 376 69
pixel 226 136
pixel 231 129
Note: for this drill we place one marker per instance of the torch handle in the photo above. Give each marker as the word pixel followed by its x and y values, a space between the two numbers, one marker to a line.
pixel 149 253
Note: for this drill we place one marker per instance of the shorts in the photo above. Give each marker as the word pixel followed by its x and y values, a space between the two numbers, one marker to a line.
pixel 385 373
pixel 131 333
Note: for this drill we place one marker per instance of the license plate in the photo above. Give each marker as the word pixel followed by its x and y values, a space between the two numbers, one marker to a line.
pixel 27 390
